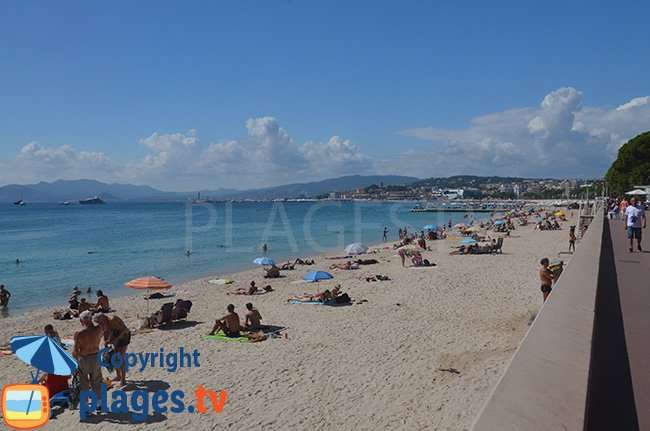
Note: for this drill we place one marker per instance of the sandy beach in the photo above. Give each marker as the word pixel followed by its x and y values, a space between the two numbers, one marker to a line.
pixel 421 352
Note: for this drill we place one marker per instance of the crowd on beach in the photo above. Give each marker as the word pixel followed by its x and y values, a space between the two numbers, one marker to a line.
pixel 100 325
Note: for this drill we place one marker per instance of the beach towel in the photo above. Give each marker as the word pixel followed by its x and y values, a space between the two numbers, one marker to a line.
pixel 67 341
pixel 221 281
pixel 328 303
pixel 6 352
pixel 220 336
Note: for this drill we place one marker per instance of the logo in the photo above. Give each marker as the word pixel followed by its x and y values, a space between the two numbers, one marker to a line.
pixel 25 407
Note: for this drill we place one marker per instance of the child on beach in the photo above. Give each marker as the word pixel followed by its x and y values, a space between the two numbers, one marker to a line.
pixel 546 276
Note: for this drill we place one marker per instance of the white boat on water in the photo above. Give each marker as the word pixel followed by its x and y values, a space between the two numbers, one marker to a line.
pixel 92 201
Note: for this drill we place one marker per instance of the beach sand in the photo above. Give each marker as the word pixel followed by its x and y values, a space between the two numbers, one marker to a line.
pixel 382 364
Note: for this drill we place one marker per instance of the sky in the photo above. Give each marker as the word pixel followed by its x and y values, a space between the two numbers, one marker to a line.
pixel 239 94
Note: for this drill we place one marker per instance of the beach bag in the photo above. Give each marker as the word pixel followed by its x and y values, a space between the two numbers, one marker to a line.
pixel 75 390
pixel 343 299
pixel 106 358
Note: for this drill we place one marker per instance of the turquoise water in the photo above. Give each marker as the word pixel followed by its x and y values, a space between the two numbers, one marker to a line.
pixel 103 246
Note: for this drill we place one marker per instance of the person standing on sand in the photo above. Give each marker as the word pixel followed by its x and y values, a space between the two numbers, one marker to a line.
pixel 572 239
pixel 385 234
pixel 4 296
pixel 633 216
pixel 546 276
pixel 117 334
pixel 86 348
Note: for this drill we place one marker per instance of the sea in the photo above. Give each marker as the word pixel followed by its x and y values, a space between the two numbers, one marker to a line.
pixel 103 246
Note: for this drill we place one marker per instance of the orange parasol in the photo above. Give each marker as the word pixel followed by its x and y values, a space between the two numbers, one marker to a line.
pixel 148 283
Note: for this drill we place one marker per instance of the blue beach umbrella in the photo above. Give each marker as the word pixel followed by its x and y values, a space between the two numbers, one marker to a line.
pixel 264 261
pixel 318 275
pixel 499 222
pixel 431 227
pixel 42 352
pixel 469 241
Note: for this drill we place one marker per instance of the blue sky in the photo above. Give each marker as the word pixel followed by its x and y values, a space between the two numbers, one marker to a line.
pixel 207 94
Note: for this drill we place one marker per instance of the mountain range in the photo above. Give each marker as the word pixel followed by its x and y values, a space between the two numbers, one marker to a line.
pixel 74 190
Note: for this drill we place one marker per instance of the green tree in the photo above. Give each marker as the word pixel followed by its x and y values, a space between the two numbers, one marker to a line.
pixel 631 167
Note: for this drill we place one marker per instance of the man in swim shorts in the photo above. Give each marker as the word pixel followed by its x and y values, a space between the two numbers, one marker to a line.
pixel 229 324
pixel 546 276
pixel 118 335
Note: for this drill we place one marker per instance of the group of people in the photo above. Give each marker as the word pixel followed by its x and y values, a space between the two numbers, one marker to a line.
pixel 232 326
pixel 95 331
pixel 79 305
pixel 335 296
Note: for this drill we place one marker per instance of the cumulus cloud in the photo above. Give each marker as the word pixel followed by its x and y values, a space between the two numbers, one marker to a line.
pixel 562 138
pixel 37 162
pixel 266 155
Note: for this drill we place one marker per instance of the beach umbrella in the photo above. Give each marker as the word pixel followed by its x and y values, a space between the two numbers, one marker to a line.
pixel 460 226
pixel 636 192
pixel 148 283
pixel 356 248
pixel 42 352
pixel 499 215
pixel 469 241
pixel 559 214
pixel 264 261
pixel 318 275
pixel 431 227
pixel 499 222
pixel 472 229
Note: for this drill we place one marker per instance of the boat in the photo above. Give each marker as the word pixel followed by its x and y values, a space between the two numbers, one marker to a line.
pixel 92 201
pixel 20 202
pixel 198 200
pixel 66 203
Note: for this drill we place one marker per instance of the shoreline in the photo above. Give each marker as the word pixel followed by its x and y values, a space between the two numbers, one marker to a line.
pixel 388 358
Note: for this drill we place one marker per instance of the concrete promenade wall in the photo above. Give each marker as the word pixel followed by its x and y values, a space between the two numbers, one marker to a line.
pixel 545 385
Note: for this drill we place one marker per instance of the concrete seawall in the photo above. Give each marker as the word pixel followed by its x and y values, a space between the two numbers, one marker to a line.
pixel 546 384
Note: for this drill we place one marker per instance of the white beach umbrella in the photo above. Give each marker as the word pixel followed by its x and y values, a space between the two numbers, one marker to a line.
pixel 637 192
pixel 356 248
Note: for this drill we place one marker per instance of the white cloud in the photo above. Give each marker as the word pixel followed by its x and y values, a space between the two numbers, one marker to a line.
pixel 267 155
pixel 561 138
pixel 35 162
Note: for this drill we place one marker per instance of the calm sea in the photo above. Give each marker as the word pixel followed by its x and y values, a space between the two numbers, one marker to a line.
pixel 103 246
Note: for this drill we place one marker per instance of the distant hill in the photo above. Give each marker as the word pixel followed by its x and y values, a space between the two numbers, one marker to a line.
pixel 74 190
pixel 316 188
pixel 459 181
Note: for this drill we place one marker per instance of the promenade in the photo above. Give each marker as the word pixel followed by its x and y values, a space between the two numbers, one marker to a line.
pixel 619 389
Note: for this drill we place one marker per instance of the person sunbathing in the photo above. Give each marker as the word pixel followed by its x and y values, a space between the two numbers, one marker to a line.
pixel 229 324
pixel 377 277
pixel 252 290
pixel 287 266
pixel 102 305
pixel 307 297
pixel 272 272
pixel 252 318
pixel 81 307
